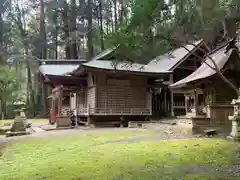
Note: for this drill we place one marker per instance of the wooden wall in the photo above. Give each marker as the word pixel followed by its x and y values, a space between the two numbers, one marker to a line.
pixel 91 97
pixel 91 91
pixel 114 96
pixel 82 98
pixel 122 92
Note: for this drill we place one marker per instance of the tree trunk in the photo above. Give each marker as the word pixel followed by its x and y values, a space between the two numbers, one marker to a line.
pixel 1 36
pixel 30 87
pixel 66 31
pixel 89 34
pixel 43 31
pixel 101 25
pixel 42 91
pixel 56 34
pixel 112 19
pixel 115 13
pixel 121 11
pixel 1 110
pixel 56 45
pixel 107 28
pixel 72 25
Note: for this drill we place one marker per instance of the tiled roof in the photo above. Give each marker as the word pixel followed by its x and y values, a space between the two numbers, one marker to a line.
pixel 207 68
pixel 169 60
pixel 132 67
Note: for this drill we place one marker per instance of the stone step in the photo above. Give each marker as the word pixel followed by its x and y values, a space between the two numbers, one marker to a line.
pixel 37 129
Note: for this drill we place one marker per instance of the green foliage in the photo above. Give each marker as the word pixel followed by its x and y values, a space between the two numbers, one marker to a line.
pixel 156 27
pixel 8 83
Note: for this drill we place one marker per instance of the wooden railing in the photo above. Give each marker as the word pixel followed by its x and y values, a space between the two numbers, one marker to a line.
pixel 179 104
pixel 114 111
pixel 82 111
pixel 219 103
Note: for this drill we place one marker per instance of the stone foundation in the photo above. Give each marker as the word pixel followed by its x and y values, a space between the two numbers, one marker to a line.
pixel 63 122
pixel 200 124
pixel 220 129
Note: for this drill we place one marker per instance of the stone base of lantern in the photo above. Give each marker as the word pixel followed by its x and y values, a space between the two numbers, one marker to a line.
pixel 235 133
pixel 19 127
pixel 19 124
pixel 19 133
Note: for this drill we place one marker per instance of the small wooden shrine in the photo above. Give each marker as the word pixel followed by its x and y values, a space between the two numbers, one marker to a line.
pixel 55 75
pixel 210 96
pixel 181 62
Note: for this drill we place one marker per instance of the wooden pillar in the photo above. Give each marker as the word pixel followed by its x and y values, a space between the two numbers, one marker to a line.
pixel 53 110
pixel 90 121
pixel 196 102
pixel 186 103
pixel 75 108
pixel 165 100
pixel 150 102
pixel 60 102
pixel 171 96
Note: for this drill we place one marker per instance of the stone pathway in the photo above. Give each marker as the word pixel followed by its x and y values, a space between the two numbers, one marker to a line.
pixel 37 129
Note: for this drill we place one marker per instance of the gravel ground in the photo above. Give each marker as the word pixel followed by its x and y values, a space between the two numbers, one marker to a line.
pixel 165 132
pixel 221 171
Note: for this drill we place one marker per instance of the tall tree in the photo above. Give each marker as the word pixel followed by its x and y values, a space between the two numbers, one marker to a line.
pixel 100 19
pixel 8 85
pixel 73 30
pixel 43 31
pixel 90 29
pixel 65 17
pixel 1 33
pixel 115 14
pixel 41 88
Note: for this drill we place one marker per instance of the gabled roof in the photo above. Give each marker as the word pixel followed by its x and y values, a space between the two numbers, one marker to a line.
pixel 207 68
pixel 104 53
pixel 123 66
pixel 171 60
pixel 62 61
pixel 57 69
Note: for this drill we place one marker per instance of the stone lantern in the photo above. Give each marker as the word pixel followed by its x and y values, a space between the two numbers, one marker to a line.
pixel 235 134
pixel 20 123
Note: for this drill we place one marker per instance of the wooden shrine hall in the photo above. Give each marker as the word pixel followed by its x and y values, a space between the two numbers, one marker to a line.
pixel 60 86
pixel 98 90
pixel 211 96
pixel 95 92
pixel 181 62
pixel 116 94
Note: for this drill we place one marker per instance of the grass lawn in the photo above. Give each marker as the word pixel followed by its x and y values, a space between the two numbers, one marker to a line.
pixel 10 121
pixel 97 157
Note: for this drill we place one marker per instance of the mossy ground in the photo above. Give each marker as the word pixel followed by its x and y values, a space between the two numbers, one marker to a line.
pixel 91 157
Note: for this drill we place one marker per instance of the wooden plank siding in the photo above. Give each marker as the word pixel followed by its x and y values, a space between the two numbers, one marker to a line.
pixel 115 96
pixel 118 95
pixel 111 95
pixel 82 104
pixel 91 96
